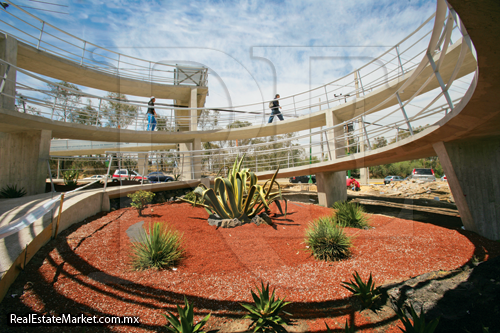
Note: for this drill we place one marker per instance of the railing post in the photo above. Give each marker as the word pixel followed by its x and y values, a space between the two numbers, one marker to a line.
pixel 40 38
pixel 366 134
pixel 107 173
pixel 50 175
pixel 361 83
pixel 54 105
pixel 440 80
pixel 404 113
pixel 294 106
pixel 83 53
pixel 399 58
pixel 4 79
pixel 327 100
pixel 98 112
pixel 24 104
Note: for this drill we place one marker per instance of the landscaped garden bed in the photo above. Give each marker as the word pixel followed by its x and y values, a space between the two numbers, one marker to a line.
pixel 87 269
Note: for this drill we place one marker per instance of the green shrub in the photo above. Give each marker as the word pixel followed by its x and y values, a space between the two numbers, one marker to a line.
pixel 366 292
pixel 327 240
pixel 185 323
pixel 350 214
pixel 70 177
pixel 265 313
pixel 159 248
pixel 417 323
pixel 12 192
pixel 140 199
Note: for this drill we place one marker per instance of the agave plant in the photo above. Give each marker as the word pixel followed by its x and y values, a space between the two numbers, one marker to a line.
pixel 239 196
pixel 185 323
pixel 265 314
pixel 12 192
pixel 366 292
pixel 417 323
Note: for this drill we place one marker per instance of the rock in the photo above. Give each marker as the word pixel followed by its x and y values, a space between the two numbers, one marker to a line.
pixel 215 220
pixel 462 298
pixel 230 223
pixel 262 218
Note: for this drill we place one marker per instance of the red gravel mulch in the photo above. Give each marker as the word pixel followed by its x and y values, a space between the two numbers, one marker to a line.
pixel 87 269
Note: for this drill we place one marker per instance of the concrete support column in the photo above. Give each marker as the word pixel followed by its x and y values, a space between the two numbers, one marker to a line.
pixel 363 172
pixel 471 168
pixel 8 52
pixel 191 168
pixel 142 163
pixel 331 187
pixel 23 160
pixel 334 145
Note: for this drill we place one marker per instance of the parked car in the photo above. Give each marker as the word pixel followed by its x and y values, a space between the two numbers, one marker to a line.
pixel 125 174
pixel 302 179
pixel 159 176
pixel 423 174
pixel 389 179
pixel 444 179
pixel 94 177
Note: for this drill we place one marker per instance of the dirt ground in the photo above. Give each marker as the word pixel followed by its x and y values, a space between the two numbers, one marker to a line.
pixel 412 189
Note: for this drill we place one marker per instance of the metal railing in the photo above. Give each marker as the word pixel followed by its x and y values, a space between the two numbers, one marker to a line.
pixel 393 117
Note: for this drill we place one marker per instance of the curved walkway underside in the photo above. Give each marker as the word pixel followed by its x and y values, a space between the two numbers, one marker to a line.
pixel 12 121
pixel 47 64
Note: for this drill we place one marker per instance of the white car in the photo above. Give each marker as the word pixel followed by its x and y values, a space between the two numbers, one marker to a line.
pixel 94 177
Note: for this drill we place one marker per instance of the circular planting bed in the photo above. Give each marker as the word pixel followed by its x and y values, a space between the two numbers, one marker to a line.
pixel 87 269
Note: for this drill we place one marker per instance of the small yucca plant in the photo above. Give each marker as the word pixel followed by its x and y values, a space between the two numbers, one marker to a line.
pixel 160 248
pixel 350 214
pixel 265 313
pixel 366 292
pixel 417 323
pixel 12 192
pixel 327 240
pixel 185 323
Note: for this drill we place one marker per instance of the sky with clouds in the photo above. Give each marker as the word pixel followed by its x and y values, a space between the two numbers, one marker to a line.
pixel 253 48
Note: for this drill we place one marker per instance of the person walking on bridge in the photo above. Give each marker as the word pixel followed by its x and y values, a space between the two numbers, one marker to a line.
pixel 275 109
pixel 151 114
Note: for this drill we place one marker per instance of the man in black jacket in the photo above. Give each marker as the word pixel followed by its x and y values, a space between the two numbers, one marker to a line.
pixel 275 110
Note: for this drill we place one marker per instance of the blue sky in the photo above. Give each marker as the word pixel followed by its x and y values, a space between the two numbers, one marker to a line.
pixel 306 43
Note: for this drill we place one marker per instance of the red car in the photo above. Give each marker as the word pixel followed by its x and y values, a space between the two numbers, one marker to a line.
pixel 125 174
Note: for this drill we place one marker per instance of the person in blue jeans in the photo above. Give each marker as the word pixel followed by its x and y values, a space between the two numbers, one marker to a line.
pixel 275 109
pixel 151 114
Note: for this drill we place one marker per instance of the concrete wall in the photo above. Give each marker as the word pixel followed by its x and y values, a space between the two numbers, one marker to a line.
pixel 8 52
pixel 23 160
pixel 472 169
